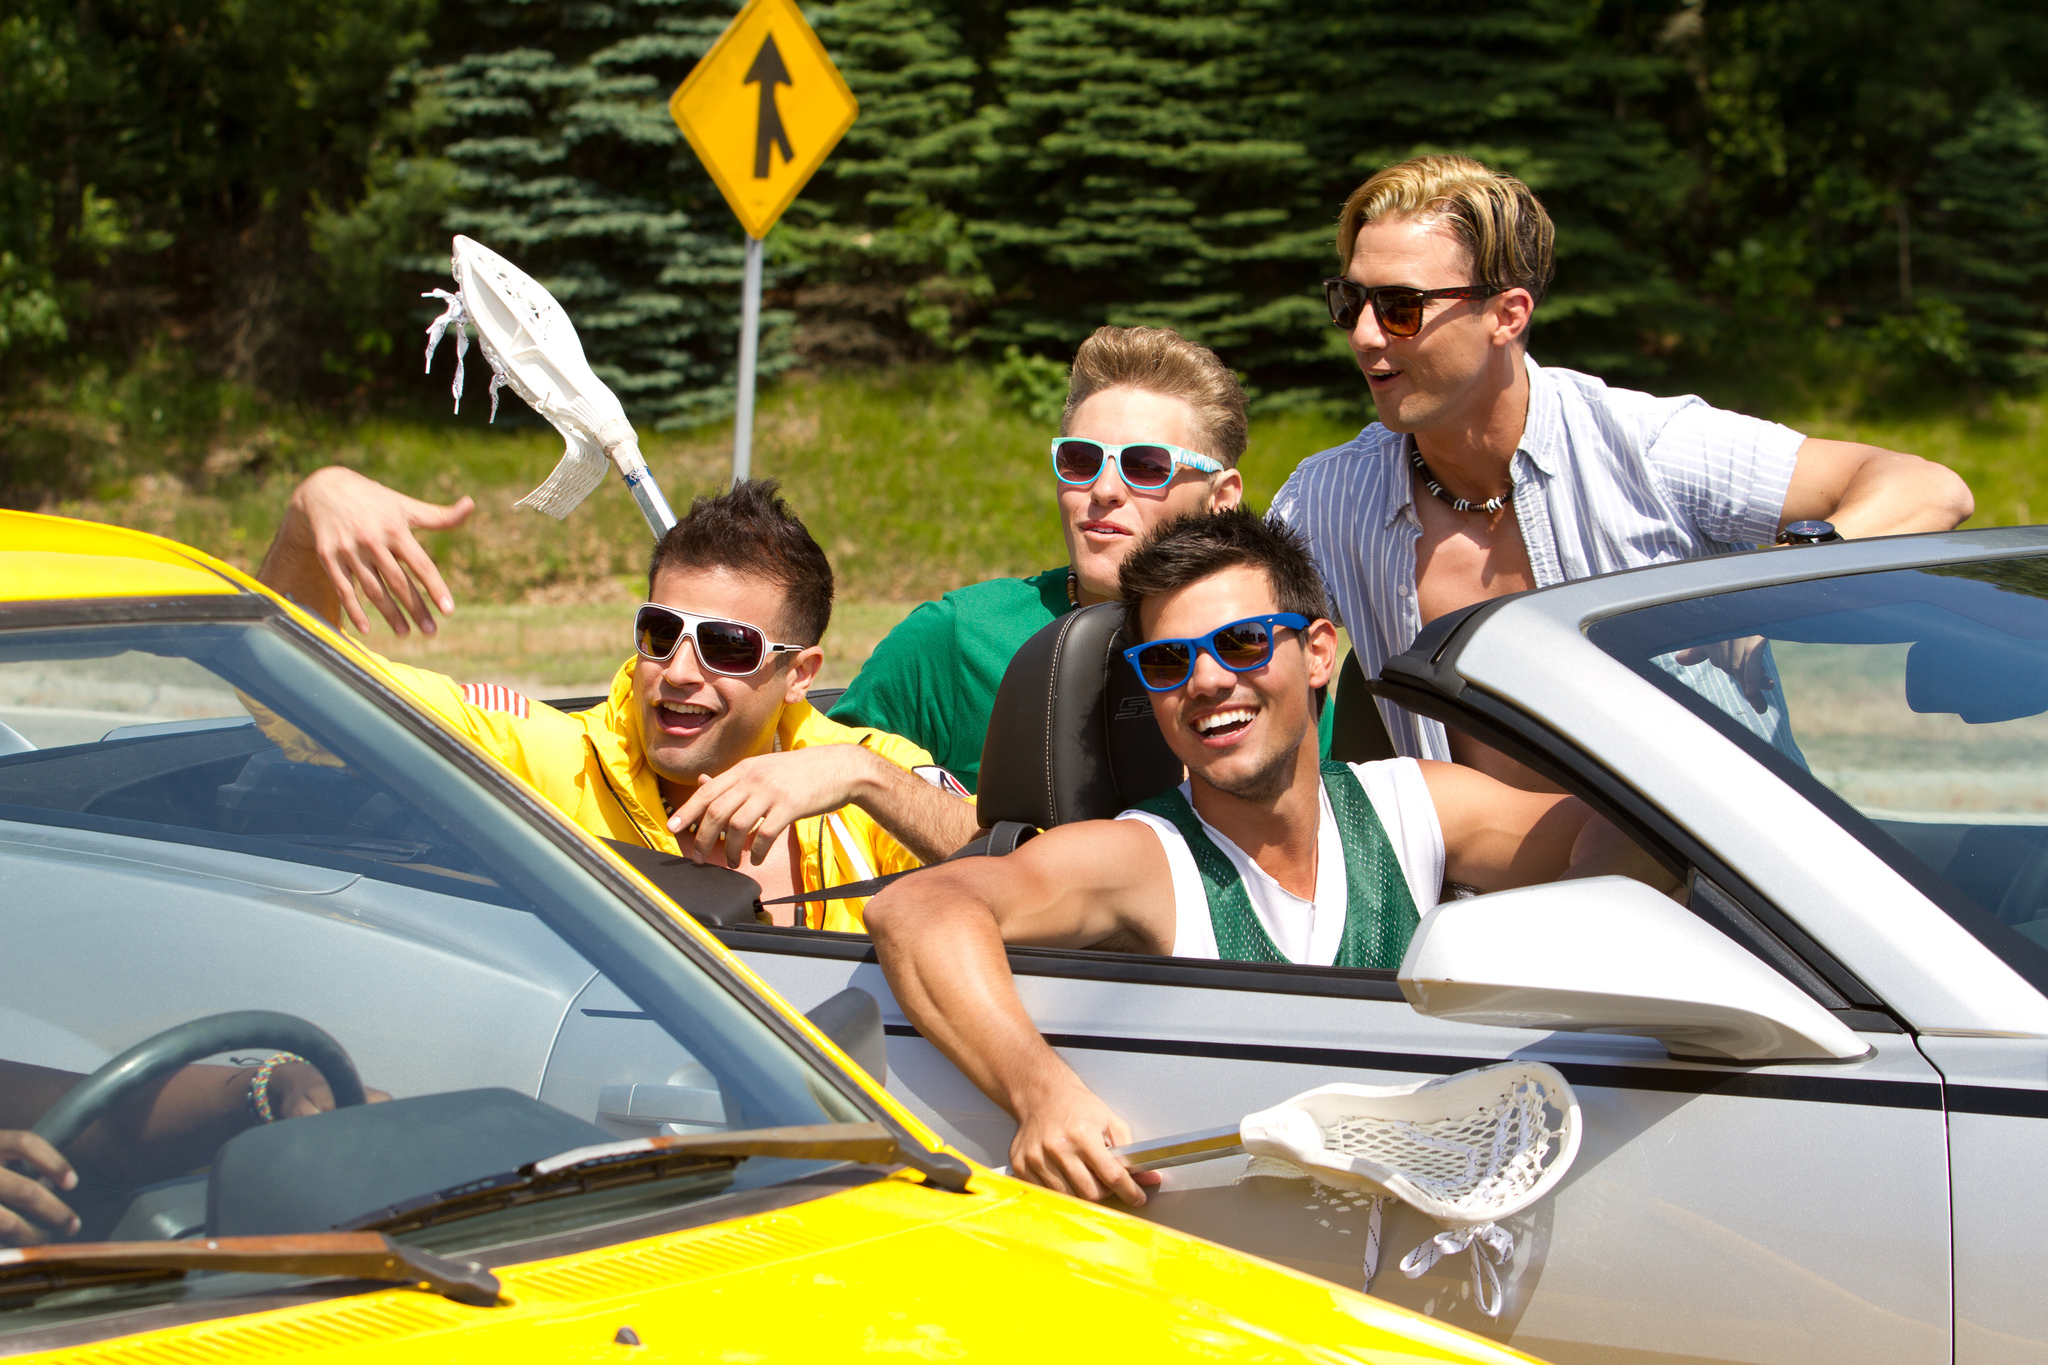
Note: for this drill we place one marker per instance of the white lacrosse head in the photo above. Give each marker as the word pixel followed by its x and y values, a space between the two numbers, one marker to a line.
pixel 533 349
pixel 1465 1149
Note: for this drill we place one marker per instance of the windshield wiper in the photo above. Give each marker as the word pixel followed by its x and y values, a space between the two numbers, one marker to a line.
pixel 639 1160
pixel 356 1255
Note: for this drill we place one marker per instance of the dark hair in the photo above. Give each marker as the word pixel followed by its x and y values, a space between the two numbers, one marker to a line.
pixel 751 531
pixel 1196 545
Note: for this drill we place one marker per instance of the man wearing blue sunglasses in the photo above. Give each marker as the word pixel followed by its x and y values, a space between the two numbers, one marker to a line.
pixel 1265 853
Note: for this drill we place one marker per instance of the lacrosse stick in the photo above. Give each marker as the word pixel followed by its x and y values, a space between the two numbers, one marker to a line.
pixel 533 350
pixel 1468 1150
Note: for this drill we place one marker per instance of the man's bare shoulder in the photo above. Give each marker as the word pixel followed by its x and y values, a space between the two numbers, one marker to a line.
pixel 1078 884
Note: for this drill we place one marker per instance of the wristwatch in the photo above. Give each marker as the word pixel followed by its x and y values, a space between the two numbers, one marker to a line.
pixel 1809 533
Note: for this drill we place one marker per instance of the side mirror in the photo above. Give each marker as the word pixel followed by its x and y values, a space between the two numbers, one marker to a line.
pixel 1610 955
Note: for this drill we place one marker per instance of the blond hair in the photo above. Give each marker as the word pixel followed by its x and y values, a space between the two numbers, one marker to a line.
pixel 1162 361
pixel 1494 216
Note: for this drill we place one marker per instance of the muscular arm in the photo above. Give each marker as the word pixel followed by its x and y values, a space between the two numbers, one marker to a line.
pixel 1497 836
pixel 940 937
pixel 1869 491
pixel 344 534
pixel 930 823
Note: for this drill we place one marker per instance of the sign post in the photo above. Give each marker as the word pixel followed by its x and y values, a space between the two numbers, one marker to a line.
pixel 762 109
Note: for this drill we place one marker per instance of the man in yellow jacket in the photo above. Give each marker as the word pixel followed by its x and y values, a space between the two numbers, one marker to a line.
pixel 705 745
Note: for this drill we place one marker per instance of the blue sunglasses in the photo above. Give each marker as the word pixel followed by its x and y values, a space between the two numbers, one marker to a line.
pixel 1240 647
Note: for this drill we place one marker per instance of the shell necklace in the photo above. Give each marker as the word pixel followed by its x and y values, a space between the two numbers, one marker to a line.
pixel 1491 506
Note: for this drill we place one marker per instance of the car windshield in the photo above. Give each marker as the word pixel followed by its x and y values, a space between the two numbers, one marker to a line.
pixel 1911 705
pixel 201 820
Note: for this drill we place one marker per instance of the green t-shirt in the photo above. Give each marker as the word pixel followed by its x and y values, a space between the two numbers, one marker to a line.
pixel 933 679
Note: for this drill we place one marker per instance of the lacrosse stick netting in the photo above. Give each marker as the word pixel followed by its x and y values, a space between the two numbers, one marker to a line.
pixel 1467 1150
pixel 533 350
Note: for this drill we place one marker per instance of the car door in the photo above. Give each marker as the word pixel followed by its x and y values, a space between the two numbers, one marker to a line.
pixel 1797 1212
pixel 1711 1213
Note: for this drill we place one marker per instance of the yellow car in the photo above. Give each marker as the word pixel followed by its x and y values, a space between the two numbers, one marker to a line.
pixel 355 1045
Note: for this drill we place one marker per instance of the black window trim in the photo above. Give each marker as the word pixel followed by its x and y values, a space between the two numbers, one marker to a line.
pixel 1135 969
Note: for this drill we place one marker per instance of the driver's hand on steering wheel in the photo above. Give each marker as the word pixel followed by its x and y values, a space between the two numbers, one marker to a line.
pixel 298 1089
pixel 30 1214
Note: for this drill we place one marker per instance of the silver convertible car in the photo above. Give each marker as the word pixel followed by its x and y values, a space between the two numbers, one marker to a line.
pixel 1814 1081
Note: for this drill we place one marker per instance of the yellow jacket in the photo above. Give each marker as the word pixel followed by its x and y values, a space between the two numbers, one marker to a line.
pixel 591 765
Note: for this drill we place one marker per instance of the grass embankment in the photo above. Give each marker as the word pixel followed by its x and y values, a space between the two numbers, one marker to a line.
pixel 914 481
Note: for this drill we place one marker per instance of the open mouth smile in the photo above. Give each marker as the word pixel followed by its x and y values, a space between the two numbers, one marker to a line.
pixel 1223 726
pixel 682 717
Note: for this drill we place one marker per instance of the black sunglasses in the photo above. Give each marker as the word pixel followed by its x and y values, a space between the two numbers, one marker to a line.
pixel 733 648
pixel 1398 308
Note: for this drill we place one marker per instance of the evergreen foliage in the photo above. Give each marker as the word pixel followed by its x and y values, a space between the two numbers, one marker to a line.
pixel 1756 186
pixel 1987 244
pixel 168 152
pixel 569 165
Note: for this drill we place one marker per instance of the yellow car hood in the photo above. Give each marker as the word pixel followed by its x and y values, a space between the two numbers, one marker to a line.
pixel 890 1269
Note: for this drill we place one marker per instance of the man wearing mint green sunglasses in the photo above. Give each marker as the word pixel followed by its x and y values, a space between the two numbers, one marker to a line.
pixel 1153 428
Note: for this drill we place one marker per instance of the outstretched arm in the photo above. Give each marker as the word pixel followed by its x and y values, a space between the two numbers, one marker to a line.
pixel 940 937
pixel 344 535
pixel 1869 491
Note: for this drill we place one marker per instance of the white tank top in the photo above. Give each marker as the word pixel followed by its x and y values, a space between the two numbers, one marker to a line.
pixel 1309 932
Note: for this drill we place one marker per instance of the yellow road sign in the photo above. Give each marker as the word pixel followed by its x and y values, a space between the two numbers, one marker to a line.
pixel 763 108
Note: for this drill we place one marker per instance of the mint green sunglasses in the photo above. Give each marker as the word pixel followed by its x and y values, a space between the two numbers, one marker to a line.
pixel 1143 464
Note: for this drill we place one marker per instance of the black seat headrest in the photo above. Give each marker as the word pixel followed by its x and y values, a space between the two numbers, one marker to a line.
pixel 1072 735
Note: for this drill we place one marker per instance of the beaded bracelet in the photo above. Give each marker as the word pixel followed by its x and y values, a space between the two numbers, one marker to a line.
pixel 259 1084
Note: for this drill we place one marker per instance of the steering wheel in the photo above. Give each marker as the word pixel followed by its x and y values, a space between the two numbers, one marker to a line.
pixel 154 1058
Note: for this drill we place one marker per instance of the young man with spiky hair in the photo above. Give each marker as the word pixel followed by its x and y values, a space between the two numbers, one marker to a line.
pixel 1264 854
pixel 705 744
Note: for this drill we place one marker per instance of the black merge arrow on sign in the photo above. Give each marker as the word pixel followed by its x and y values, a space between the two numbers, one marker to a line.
pixel 769 72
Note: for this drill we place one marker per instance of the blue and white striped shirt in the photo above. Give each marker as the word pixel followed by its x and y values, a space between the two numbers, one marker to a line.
pixel 1604 479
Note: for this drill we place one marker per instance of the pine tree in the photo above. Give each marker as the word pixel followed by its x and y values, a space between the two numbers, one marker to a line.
pixel 879 238
pixel 1147 168
pixel 1182 162
pixel 1986 248
pixel 572 168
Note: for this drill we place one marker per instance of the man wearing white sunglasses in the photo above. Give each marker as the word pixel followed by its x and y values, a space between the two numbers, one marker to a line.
pixel 1264 854
pixel 706 745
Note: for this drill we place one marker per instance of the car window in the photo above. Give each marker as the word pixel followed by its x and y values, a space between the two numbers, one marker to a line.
pixel 1917 700
pixel 204 819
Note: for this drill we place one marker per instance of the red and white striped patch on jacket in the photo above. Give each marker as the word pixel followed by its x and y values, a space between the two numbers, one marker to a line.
pixel 491 697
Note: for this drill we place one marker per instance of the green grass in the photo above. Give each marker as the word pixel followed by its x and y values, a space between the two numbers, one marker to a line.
pixel 2001 450
pixel 915 481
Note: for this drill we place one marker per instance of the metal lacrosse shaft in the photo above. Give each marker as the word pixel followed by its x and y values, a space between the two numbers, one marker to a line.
pixel 750 340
